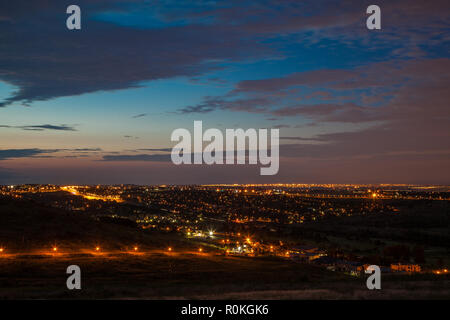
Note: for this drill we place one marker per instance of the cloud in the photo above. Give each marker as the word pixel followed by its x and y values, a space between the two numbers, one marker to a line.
pixel 156 149
pixel 6 154
pixel 23 153
pixel 254 105
pixel 138 157
pixel 280 126
pixel 139 116
pixel 42 127
pixel 391 83
pixel 85 149
pixel 412 122
pixel 88 60
pixel 302 138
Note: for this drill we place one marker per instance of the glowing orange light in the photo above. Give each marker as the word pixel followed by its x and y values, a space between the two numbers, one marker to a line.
pixel 374 195
pixel 200 249
pixel 55 249
pixel 170 249
pixel 136 248
pixel 1 250
pixel 97 248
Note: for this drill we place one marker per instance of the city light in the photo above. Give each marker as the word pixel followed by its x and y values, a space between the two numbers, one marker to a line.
pixel 248 242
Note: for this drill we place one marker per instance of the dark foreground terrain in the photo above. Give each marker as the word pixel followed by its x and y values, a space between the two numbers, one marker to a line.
pixel 184 276
pixel 30 269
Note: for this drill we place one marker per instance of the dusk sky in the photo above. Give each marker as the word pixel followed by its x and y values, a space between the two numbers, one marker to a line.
pixel 98 105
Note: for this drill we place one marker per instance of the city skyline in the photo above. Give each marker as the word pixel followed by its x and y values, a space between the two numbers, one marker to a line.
pixel 98 105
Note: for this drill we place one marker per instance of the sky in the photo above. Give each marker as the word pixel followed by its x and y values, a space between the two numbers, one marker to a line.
pixel 98 105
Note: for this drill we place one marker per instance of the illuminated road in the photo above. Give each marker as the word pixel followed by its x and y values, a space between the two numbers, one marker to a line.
pixel 90 196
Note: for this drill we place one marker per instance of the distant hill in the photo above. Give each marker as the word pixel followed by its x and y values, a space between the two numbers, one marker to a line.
pixel 28 225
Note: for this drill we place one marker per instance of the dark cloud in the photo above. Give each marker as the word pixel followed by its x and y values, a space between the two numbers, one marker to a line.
pixel 412 124
pixel 254 105
pixel 23 153
pixel 42 127
pixel 156 149
pixel 89 60
pixel 422 79
pixel 202 108
pixel 281 126
pixel 6 154
pixel 139 116
pixel 85 149
pixel 302 138
pixel 138 157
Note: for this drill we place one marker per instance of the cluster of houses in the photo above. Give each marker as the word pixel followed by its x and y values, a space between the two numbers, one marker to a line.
pixel 319 257
pixel 357 268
